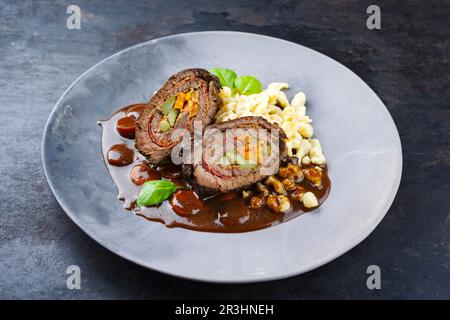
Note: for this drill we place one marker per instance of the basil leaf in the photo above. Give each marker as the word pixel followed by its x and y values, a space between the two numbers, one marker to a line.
pixel 156 191
pixel 226 76
pixel 168 105
pixel 248 85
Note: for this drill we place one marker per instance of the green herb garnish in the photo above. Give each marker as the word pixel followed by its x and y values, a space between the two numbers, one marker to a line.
pixel 226 76
pixel 156 191
pixel 244 85
pixel 248 85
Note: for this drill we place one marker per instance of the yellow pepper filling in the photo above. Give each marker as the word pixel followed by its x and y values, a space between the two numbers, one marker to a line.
pixel 187 102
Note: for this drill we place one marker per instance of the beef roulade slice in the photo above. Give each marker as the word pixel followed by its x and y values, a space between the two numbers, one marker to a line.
pixel 237 154
pixel 188 96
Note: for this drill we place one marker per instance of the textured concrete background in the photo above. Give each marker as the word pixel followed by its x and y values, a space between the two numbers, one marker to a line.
pixel 406 63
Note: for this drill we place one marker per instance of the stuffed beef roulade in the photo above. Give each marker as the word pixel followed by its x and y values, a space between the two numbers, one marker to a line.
pixel 236 154
pixel 188 96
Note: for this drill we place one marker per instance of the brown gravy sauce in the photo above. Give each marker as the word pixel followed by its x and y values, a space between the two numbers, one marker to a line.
pixel 120 155
pixel 226 213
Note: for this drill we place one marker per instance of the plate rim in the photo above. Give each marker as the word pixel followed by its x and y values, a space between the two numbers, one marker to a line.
pixel 264 278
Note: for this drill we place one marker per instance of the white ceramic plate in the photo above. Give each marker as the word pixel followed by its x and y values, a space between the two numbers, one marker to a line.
pixel 358 135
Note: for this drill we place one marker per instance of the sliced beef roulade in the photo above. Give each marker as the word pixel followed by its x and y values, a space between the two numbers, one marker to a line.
pixel 236 154
pixel 188 96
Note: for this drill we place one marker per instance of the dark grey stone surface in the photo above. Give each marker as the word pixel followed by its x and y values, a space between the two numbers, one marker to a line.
pixel 406 63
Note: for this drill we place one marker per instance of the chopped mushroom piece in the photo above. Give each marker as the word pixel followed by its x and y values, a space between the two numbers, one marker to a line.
pixel 288 184
pixel 256 202
pixel 276 184
pixel 292 171
pixel 283 172
pixel 295 173
pixel 285 203
pixel 309 200
pixel 314 175
pixel 298 193
pixel 262 189
pixel 279 203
